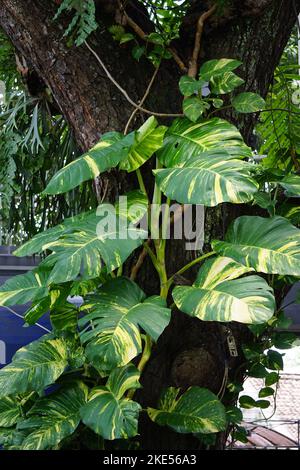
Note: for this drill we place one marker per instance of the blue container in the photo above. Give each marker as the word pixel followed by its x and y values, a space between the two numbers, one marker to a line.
pixel 13 334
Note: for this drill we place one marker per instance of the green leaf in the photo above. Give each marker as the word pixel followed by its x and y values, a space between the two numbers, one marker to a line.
pixel 266 392
pixel 34 367
pixel 283 340
pixel 148 139
pixel 234 415
pixel 272 378
pixel 106 154
pixel 10 412
pixel 248 103
pixel 107 413
pixel 116 312
pixel 275 361
pixel 222 84
pixel 193 108
pixel 138 52
pixel 262 404
pixel 133 207
pixel 217 296
pixel 208 180
pixel 247 402
pixel 37 243
pixel 53 418
pixel 196 411
pixel 217 103
pixel 100 239
pixel 269 245
pixel 126 38
pixel 258 371
pixel 216 67
pixel 214 137
pixel 24 288
pixel 189 85
pixel 291 184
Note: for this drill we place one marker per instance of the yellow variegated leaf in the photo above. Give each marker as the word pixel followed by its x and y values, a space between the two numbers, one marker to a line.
pixel 269 245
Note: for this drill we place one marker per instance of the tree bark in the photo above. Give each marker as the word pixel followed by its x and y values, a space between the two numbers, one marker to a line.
pixel 190 351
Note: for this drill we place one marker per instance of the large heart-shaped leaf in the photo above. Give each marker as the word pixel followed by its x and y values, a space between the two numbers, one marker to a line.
pixel 104 240
pixel 34 367
pixel 54 418
pixel 196 411
pixel 132 205
pixel 216 67
pixel 116 312
pixel 107 413
pixel 10 411
pixel 36 243
pixel 148 139
pixel 24 288
pixel 291 184
pixel 218 296
pixel 207 180
pixel 248 102
pixel 184 140
pixel 269 245
pixel 106 154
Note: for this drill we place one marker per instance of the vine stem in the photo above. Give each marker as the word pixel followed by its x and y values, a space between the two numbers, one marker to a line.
pixel 124 92
pixel 141 181
pixel 142 100
pixel 190 265
pixel 143 361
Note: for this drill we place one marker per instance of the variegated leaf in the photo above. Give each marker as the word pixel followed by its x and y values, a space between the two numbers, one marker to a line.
pixel 34 367
pixel 148 139
pixel 207 180
pixel 269 245
pixel 107 413
pixel 36 243
pixel 116 312
pixel 248 300
pixel 291 184
pixel 112 148
pixel 216 67
pixel 10 411
pixel 196 411
pixel 24 288
pixel 184 140
pixel 54 418
pixel 104 240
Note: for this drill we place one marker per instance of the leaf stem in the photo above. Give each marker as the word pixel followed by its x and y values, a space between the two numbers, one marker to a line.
pixel 143 361
pixel 141 181
pixel 190 265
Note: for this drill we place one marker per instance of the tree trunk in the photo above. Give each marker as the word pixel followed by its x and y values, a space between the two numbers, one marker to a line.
pixel 255 31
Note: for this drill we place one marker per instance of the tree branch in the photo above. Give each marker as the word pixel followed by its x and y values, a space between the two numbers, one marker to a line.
pixel 193 66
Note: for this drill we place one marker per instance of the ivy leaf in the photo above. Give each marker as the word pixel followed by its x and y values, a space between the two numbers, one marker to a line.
pixel 24 288
pixel 112 148
pixel 272 378
pixel 126 38
pixel 148 139
pixel 117 311
pixel 269 245
pixel 234 415
pixel 138 52
pixel 222 84
pixel 10 412
pixel 193 108
pixel 275 361
pixel 34 367
pixel 247 402
pixel 248 102
pixel 190 86
pixel 216 67
pixel 107 413
pixel 53 418
pixel 217 296
pixel 266 392
pixel 196 411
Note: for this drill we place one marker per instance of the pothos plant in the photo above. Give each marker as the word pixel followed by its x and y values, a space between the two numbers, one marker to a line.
pixel 83 376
